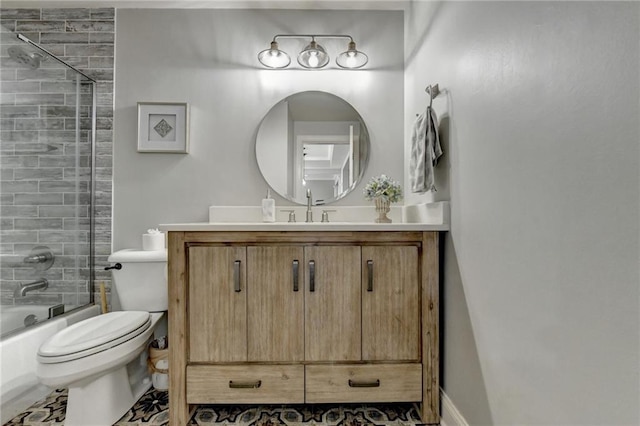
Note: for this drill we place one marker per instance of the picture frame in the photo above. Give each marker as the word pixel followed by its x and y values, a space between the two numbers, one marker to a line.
pixel 163 127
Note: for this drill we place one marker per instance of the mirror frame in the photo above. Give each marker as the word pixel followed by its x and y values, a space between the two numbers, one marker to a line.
pixel 363 149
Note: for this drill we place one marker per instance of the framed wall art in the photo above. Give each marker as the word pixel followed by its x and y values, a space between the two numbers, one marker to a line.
pixel 163 127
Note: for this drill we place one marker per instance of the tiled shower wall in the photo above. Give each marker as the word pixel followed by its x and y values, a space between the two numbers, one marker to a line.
pixel 35 189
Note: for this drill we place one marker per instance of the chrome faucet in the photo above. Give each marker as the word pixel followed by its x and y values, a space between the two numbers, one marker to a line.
pixel 309 202
pixel 22 289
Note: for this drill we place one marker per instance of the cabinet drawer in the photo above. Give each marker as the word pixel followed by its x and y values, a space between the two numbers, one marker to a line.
pixel 245 384
pixel 364 383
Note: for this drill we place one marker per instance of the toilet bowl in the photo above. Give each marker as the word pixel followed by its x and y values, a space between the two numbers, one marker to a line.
pixel 91 359
pixel 102 360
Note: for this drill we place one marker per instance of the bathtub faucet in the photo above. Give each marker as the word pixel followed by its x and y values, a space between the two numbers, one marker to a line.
pixel 22 289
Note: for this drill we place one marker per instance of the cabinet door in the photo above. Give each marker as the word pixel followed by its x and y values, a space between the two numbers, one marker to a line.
pixel 275 303
pixel 217 304
pixel 390 303
pixel 332 298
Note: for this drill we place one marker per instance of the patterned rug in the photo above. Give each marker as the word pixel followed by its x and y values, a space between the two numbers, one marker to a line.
pixel 152 410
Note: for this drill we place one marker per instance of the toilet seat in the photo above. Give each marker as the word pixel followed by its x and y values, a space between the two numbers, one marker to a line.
pixel 93 335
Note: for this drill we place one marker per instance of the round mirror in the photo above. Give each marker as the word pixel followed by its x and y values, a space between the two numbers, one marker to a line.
pixel 312 141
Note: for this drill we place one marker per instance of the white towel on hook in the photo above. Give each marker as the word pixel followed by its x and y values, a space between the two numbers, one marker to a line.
pixel 425 152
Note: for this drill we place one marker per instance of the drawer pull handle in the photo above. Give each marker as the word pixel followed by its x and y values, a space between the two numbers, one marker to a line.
pixel 245 385
pixel 236 276
pixel 296 268
pixel 364 384
pixel 312 275
pixel 370 273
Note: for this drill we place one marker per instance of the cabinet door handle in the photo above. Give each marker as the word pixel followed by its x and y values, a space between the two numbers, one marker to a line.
pixel 245 385
pixel 236 276
pixel 312 275
pixel 296 268
pixel 364 383
pixel 370 273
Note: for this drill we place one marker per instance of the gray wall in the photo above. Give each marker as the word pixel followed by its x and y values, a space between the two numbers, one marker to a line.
pixel 540 127
pixel 208 58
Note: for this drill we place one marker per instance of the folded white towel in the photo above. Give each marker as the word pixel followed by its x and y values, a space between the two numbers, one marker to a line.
pixel 425 152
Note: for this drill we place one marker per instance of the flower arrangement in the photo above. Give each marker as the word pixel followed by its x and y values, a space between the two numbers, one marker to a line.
pixel 383 187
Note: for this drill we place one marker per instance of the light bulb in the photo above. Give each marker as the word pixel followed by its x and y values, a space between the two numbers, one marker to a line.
pixel 313 60
pixel 351 60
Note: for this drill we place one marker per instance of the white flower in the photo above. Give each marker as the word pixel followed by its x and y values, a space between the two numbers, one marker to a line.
pixel 383 187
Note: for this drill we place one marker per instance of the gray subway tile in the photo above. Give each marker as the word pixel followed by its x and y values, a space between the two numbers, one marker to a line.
pixel 42 149
pixel 39 124
pixel 58 86
pixel 19 186
pixel 6 224
pixel 18 236
pixel 19 136
pixel 20 87
pixel 64 38
pixel 72 199
pixel 40 26
pixel 42 74
pixel 60 186
pixel 7 74
pixel 103 13
pixel 7 99
pixel 40 99
pixel 89 26
pixel 19 211
pixel 7 174
pixel 58 161
pixel 39 174
pixel 58 111
pixel 60 136
pixel 7 124
pixel 18 161
pixel 102 38
pixel 38 199
pixel 76 224
pixel 66 13
pixel 65 236
pixel 37 224
pixel 18 13
pixel 89 50
pixel 19 112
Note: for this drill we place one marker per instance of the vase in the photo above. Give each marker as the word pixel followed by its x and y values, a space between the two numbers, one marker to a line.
pixel 382 208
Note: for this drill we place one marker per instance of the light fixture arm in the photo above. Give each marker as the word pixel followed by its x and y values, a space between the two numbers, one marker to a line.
pixel 312 36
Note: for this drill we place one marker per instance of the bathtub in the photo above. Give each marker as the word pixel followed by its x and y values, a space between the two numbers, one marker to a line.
pixel 18 382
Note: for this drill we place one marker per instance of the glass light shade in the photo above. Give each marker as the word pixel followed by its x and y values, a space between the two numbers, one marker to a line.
pixel 352 58
pixel 313 56
pixel 274 57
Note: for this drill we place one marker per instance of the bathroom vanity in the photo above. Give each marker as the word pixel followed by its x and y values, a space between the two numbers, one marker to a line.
pixel 303 313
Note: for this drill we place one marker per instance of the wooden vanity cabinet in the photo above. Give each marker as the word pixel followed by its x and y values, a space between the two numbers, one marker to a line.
pixel 303 317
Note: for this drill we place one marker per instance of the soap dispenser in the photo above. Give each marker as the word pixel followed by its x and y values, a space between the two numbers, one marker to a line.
pixel 268 208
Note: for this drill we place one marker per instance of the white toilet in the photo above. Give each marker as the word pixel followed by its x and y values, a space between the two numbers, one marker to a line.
pixel 100 359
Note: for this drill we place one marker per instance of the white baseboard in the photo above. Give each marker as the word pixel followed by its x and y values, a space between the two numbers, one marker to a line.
pixel 450 414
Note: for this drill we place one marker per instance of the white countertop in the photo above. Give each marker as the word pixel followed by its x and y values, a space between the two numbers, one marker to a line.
pixel 418 217
pixel 302 226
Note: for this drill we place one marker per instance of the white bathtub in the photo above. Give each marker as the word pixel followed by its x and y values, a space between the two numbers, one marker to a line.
pixel 18 382
pixel 12 318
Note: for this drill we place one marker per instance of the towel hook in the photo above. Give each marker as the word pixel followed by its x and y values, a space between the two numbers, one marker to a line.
pixel 433 91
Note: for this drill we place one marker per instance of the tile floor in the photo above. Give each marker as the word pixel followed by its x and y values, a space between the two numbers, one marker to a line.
pixel 152 410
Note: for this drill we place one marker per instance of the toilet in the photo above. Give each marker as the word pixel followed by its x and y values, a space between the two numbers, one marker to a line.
pixel 102 360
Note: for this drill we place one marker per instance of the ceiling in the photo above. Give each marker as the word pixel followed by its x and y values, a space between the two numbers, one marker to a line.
pixel 217 4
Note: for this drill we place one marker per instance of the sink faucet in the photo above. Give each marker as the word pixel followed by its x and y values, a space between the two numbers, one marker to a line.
pixel 22 289
pixel 309 202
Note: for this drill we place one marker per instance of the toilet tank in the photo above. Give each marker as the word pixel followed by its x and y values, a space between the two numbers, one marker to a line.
pixel 141 283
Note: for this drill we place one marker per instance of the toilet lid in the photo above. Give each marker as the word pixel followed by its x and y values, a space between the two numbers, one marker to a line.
pixel 93 335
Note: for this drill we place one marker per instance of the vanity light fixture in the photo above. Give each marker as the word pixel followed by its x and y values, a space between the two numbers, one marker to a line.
pixel 313 56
